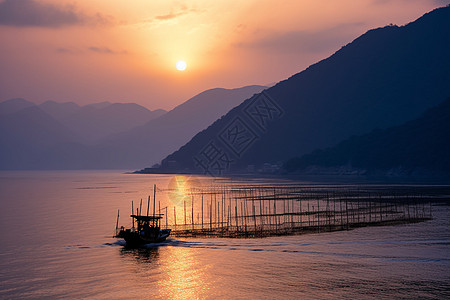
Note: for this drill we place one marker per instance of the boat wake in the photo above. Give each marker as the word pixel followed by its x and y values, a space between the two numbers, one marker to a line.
pixel 364 249
pixel 324 249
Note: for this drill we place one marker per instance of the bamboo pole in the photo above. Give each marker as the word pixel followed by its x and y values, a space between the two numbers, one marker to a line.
pixel 210 212
pixel 202 210
pixel 154 201
pixel 236 214
pixel 223 208
pixel 334 208
pixel 242 218
pixel 299 209
pixel 253 208
pixel 261 210
pixel 117 222
pixel 318 214
pixel 192 212
pixel 346 210
pixel 289 215
pixel 175 217
pixel 275 211
pixel 309 216
pixel 132 212
pixel 215 210
pixel 184 201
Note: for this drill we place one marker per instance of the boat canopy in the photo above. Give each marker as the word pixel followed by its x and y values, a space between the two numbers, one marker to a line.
pixel 147 218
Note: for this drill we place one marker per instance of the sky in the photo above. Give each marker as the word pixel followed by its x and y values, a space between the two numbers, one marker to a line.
pixel 89 51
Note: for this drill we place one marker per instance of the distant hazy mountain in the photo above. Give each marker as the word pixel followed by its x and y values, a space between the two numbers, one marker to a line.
pixel 384 78
pixel 26 135
pixel 421 146
pixel 148 144
pixel 137 137
pixel 14 105
pixel 31 135
pixel 97 121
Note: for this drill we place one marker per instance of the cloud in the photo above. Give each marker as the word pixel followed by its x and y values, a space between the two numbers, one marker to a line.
pixel 170 16
pixel 183 10
pixel 306 41
pixel 105 50
pixel 94 49
pixel 32 13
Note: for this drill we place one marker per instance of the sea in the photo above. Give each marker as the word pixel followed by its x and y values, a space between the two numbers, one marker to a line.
pixel 56 242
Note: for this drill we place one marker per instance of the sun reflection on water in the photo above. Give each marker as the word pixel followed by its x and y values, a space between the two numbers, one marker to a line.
pixel 176 272
pixel 185 277
pixel 180 189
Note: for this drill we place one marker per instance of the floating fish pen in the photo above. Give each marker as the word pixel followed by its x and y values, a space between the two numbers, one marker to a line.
pixel 262 211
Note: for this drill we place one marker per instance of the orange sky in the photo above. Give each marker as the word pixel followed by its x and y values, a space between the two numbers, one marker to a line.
pixel 125 51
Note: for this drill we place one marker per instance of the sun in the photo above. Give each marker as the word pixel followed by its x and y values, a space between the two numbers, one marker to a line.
pixel 181 65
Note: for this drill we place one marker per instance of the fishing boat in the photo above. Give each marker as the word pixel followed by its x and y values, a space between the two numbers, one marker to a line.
pixel 146 228
pixel 147 231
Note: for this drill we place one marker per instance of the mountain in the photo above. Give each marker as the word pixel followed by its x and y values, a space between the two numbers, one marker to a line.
pixel 60 111
pixel 14 105
pixel 105 135
pixel 421 146
pixel 54 135
pixel 26 134
pixel 148 144
pixel 97 121
pixel 383 78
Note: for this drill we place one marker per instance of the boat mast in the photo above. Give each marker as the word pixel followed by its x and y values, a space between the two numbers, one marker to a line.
pixel 117 223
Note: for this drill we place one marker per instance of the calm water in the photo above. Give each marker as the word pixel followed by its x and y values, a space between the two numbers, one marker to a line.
pixel 55 242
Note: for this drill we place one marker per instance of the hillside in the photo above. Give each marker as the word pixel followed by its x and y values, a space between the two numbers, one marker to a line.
pixel 150 143
pixel 418 147
pixel 383 78
pixel 421 145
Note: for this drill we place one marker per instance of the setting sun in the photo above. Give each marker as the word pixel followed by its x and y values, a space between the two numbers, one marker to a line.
pixel 181 65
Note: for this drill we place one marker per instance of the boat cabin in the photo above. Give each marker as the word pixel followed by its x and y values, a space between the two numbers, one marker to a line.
pixel 146 223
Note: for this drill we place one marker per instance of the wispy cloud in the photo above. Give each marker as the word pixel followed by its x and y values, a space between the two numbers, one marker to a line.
pixel 105 50
pixel 32 13
pixel 174 14
pixel 170 16
pixel 91 49
pixel 181 11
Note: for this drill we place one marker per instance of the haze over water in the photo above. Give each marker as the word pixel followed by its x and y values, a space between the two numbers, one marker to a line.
pixel 56 243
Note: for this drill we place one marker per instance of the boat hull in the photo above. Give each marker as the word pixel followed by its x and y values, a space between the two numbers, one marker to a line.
pixel 135 238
